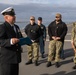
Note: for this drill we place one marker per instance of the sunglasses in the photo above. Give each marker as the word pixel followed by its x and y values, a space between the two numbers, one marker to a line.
pixel 57 17
pixel 32 19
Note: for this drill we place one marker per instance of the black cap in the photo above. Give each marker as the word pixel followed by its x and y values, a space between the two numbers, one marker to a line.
pixel 39 18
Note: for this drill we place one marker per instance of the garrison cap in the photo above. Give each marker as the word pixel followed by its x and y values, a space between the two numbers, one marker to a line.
pixel 8 11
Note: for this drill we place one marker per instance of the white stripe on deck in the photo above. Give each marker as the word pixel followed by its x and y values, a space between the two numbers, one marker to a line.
pixel 68 33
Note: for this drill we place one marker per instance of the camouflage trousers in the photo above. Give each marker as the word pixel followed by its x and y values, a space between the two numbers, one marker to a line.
pixel 33 51
pixel 75 58
pixel 54 50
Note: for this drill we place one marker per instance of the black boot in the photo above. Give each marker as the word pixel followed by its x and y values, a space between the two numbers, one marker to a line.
pixel 74 67
pixel 36 63
pixel 57 64
pixel 48 64
pixel 42 56
pixel 29 62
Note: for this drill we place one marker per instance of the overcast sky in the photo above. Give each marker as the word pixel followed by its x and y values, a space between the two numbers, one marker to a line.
pixel 51 2
pixel 66 7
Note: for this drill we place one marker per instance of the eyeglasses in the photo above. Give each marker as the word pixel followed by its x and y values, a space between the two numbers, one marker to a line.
pixel 32 19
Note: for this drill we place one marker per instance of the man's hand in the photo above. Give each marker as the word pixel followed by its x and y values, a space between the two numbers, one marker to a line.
pixel 44 39
pixel 72 42
pixel 15 40
pixel 75 50
pixel 57 38
pixel 53 37
pixel 73 46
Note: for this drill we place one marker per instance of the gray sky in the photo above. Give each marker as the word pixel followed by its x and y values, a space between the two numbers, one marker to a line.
pixel 51 2
pixel 49 7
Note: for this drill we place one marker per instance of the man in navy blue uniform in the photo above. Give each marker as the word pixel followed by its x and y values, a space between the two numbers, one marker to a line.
pixel 42 38
pixel 10 50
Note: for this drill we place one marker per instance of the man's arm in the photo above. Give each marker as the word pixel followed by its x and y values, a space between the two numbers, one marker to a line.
pixel 64 31
pixel 72 38
pixel 44 35
pixel 25 29
pixel 49 31
pixel 4 41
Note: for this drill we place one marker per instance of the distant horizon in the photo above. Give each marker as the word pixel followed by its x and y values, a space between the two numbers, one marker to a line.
pixel 46 11
pixel 71 3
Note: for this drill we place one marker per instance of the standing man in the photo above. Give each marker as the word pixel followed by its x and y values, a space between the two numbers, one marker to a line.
pixel 42 37
pixel 10 50
pixel 73 42
pixel 33 31
pixel 57 31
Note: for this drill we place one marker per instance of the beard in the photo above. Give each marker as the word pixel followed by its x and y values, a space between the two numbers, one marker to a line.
pixel 58 20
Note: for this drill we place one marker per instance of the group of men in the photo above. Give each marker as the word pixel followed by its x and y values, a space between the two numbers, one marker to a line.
pixel 10 50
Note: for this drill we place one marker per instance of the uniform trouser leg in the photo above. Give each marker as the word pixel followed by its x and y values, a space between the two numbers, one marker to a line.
pixel 41 43
pixel 52 45
pixel 9 69
pixel 58 49
pixel 36 51
pixel 30 51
